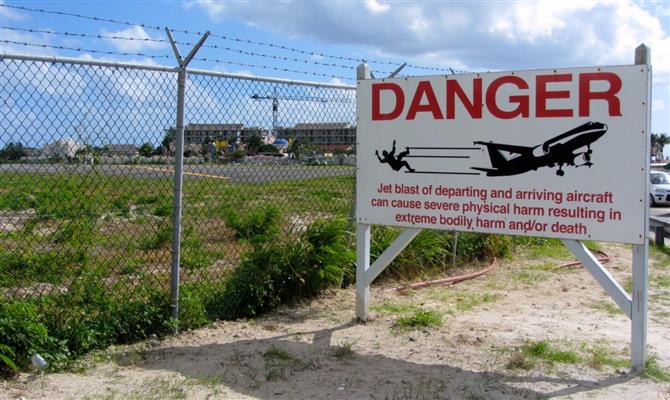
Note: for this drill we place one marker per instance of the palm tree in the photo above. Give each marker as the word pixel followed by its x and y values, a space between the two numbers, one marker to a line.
pixel 658 142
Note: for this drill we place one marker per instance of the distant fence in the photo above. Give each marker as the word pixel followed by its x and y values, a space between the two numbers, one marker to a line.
pixel 87 170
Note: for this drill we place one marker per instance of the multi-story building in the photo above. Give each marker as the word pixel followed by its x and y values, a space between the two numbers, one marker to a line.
pixel 202 133
pixel 329 135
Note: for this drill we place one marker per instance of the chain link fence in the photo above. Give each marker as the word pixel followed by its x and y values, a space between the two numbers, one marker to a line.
pixel 87 169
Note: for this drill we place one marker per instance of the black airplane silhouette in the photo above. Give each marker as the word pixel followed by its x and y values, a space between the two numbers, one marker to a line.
pixel 559 150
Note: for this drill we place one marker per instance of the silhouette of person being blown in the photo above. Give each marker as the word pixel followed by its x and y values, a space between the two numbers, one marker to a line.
pixel 395 162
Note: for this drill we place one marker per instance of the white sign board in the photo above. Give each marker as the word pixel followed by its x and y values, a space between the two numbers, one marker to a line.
pixel 554 153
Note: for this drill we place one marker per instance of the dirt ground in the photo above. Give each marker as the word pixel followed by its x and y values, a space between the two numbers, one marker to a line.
pixel 317 350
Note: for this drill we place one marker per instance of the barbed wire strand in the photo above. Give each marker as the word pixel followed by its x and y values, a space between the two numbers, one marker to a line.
pixel 213 60
pixel 235 39
pixel 165 41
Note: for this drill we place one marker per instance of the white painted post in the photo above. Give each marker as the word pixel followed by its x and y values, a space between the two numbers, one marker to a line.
pixel 638 343
pixel 362 267
pixel 362 238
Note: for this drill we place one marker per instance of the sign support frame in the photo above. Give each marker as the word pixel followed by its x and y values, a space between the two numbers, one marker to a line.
pixel 635 305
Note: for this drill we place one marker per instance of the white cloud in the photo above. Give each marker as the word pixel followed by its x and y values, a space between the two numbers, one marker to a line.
pixel 11 14
pixel 375 7
pixel 337 81
pixel 657 105
pixel 143 39
pixel 471 35
pixel 214 8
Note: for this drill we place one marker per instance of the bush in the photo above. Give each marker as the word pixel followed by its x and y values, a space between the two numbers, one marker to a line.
pixel 23 334
pixel 283 272
pixel 256 225
pixel 432 250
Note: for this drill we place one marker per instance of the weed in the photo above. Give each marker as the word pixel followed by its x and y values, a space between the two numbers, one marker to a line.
pixel 518 360
pixel 282 272
pixel 193 253
pixel 599 356
pixel 162 210
pixel 131 267
pixel 660 281
pixel 608 307
pixel 653 371
pixel 420 319
pixel 544 350
pixel 157 239
pixel 344 351
pixel 256 225
pixel 462 301
pixel 279 364
pixel 529 277
pixel 395 308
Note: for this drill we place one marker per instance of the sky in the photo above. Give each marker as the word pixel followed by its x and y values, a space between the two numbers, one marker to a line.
pixel 323 41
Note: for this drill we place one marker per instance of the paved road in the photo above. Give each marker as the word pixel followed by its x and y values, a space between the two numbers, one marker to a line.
pixel 660 211
pixel 248 173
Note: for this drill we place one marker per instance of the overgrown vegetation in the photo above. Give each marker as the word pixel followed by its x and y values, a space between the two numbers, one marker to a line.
pixel 419 319
pixel 432 251
pixel 283 271
pixel 533 352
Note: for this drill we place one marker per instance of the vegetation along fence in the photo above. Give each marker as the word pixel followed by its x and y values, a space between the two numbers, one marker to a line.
pixel 88 212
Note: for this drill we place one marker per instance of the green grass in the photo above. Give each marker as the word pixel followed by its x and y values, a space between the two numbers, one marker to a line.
pixel 419 319
pixel 457 301
pixel 545 350
pixel 654 371
pixel 395 308
pixel 609 307
pixel 344 351
pixel 598 356
pixel 280 364
pixel 93 220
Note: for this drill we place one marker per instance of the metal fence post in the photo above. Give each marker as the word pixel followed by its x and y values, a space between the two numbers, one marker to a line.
pixel 641 251
pixel 179 175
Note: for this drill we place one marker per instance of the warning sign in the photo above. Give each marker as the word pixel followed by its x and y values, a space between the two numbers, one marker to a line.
pixel 555 153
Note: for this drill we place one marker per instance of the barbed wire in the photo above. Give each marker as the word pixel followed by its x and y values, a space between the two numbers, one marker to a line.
pixel 84 35
pixel 114 37
pixel 204 59
pixel 80 49
pixel 219 61
pixel 240 40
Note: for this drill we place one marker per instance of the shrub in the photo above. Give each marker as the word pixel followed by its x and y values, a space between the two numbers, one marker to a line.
pixel 193 254
pixel 283 272
pixel 256 225
pixel 24 334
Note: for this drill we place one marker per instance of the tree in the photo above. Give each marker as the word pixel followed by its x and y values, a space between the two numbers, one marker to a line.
pixel 146 150
pixel 12 151
pixel 658 142
pixel 300 146
pixel 253 143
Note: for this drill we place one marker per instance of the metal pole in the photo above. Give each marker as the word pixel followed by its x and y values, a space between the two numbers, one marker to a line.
pixel 640 295
pixel 362 72
pixel 178 181
pixel 362 235
pixel 179 174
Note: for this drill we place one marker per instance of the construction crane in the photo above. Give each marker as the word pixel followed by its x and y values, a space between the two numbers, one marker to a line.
pixel 275 103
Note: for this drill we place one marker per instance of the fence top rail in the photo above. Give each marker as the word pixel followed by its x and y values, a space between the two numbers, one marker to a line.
pixel 162 68
pixel 268 79
pixel 97 63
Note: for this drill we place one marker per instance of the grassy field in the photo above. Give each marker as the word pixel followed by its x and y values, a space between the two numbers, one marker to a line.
pixel 54 227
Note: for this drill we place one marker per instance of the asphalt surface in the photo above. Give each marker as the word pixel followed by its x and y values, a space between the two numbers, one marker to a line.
pixel 247 173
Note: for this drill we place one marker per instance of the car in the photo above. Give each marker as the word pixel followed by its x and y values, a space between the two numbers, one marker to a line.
pixel 660 188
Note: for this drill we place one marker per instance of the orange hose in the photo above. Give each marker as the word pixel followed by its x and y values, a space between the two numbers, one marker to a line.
pixel 444 281
pixel 602 257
